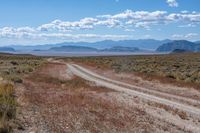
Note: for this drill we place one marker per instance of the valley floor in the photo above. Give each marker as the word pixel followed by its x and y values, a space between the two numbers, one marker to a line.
pixel 56 98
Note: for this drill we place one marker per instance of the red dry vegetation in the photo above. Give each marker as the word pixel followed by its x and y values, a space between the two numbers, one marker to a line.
pixel 78 106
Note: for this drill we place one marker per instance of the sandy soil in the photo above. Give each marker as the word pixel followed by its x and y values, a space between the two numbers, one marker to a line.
pixel 134 79
pixel 52 99
pixel 169 105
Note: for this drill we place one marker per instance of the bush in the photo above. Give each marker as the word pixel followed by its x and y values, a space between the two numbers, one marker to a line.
pixel 7 107
pixel 181 67
pixel 16 79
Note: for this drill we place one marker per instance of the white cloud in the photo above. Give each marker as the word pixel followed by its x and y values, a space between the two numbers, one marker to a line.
pixel 30 34
pixel 140 15
pixel 184 11
pixel 128 21
pixel 186 36
pixel 84 36
pixel 128 18
pixel 172 3
pixel 22 32
pixel 146 19
pixel 129 30
pixel 190 35
pixel 109 23
pixel 65 26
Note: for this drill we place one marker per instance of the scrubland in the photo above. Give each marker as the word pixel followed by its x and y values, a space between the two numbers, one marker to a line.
pixel 57 103
pixel 41 96
pixel 183 68
pixel 7 107
pixel 12 69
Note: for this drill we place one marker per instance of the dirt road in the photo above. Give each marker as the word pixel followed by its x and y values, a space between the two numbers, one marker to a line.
pixel 123 87
pixel 52 100
pixel 69 98
pixel 174 102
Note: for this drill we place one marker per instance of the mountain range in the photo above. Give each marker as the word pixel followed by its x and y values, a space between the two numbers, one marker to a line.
pixel 89 49
pixel 144 45
pixel 7 49
pixel 121 49
pixel 73 49
pixel 179 45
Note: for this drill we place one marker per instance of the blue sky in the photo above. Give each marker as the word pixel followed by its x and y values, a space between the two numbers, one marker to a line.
pixel 30 22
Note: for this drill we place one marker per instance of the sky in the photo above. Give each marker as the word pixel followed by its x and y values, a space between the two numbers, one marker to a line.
pixel 33 22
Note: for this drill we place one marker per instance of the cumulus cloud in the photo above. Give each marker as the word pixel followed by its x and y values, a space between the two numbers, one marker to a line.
pixel 172 3
pixel 86 23
pixel 109 23
pixel 29 33
pixel 22 32
pixel 137 19
pixel 145 19
pixel 128 21
pixel 186 36
pixel 83 36
pixel 140 15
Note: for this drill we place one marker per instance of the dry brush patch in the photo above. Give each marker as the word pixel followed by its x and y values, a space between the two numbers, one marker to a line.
pixel 179 69
pixel 8 107
pixel 183 115
pixel 12 70
pixel 72 105
pixel 13 67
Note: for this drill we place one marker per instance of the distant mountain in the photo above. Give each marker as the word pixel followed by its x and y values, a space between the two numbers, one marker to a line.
pixel 33 48
pixel 148 44
pixel 179 44
pixel 7 49
pixel 73 49
pixel 197 42
pixel 176 51
pixel 121 49
pixel 89 49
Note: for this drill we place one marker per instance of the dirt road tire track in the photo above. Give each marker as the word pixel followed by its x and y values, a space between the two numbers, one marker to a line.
pixel 118 86
pixel 187 100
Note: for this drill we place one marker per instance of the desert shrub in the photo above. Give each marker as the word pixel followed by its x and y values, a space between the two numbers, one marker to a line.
pixel 180 67
pixel 7 107
pixel 16 79
pixel 14 63
pixel 15 66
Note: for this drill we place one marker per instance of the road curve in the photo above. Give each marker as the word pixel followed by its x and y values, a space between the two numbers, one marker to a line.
pixel 122 87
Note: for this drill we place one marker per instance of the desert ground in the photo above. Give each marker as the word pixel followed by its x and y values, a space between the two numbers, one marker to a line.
pixel 61 95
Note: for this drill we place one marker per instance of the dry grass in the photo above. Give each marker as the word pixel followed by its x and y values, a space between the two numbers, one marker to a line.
pixel 75 105
pixel 7 107
pixel 183 115
pixel 13 67
pixel 182 68
pixel 12 70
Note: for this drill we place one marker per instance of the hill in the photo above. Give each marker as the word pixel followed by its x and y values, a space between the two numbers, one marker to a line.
pixel 176 51
pixel 179 44
pixel 148 44
pixel 90 49
pixel 7 49
pixel 73 49
pixel 122 49
pixel 197 42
